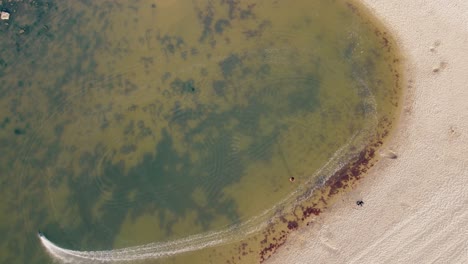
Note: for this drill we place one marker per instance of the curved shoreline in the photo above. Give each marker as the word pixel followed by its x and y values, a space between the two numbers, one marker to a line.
pixel 415 205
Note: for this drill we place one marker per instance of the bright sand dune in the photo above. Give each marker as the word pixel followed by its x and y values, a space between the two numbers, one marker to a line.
pixel 416 206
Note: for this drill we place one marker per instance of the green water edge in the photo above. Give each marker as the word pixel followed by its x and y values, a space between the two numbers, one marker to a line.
pixel 225 101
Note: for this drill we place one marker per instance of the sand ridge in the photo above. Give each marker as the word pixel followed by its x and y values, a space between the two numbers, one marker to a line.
pixel 415 206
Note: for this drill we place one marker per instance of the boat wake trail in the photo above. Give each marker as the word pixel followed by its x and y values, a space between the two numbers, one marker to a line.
pixel 147 251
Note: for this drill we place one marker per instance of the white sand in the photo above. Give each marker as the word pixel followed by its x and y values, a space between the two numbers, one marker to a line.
pixel 416 206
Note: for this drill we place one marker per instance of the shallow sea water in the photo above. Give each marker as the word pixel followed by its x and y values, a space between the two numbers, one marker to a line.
pixel 137 123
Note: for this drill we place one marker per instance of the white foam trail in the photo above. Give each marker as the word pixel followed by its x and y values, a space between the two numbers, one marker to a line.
pixel 156 250
pixel 126 254
pixel 148 251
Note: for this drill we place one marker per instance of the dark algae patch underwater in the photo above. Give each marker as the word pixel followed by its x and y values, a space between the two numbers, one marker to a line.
pixel 170 131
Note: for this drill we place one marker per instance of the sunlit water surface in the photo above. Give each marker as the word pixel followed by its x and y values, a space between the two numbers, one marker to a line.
pixel 137 123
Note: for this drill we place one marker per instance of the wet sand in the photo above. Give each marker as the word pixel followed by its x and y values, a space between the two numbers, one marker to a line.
pixel 414 203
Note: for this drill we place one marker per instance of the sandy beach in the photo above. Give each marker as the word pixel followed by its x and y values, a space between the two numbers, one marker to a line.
pixel 415 206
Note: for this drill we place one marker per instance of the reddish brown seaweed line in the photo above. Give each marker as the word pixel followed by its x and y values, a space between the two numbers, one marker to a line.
pixel 340 180
pixel 267 251
pixel 353 8
pixel 385 41
pixel 310 211
pixel 292 225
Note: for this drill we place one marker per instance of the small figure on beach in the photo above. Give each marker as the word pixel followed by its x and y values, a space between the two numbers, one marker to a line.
pixel 360 203
pixel 291 179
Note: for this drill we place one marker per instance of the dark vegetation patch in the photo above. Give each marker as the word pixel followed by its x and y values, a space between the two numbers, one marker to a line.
pixel 147 61
pixel 144 130
pixel 304 94
pixel 237 9
pixel 229 64
pixel 233 7
pixel 364 109
pixel 245 13
pixel 264 70
pixel 127 149
pixel 129 87
pixel 104 123
pixel 170 44
pixel 118 117
pixel 205 17
pixel 221 25
pixel 166 76
pixel 246 71
pixel 5 122
pixel 184 54
pixel 27 33
pixel 130 128
pixel 219 86
pixel 59 128
pixel 19 131
pixel 203 72
pixel 183 87
pixel 258 31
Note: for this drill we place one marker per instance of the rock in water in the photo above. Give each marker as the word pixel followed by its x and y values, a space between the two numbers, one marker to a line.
pixel 4 15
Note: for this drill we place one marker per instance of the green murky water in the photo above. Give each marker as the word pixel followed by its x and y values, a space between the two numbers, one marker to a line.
pixel 124 123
